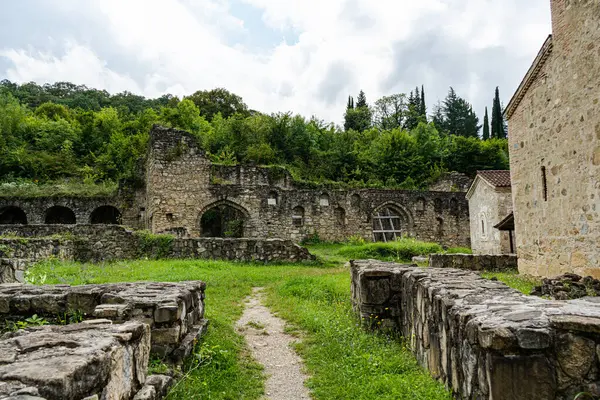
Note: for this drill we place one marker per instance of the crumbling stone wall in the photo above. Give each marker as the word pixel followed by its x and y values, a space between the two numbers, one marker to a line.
pixel 130 205
pixel 182 185
pixel 473 262
pixel 481 338
pixel 554 141
pixel 93 243
pixel 83 361
pixel 107 354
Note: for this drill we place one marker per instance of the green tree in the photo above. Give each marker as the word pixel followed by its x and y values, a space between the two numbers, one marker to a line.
pixel 360 117
pixel 456 117
pixel 423 109
pixel 498 123
pixel 486 126
pixel 390 112
pixel 219 100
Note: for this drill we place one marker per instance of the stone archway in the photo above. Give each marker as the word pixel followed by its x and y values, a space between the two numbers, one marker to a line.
pixel 60 215
pixel 108 215
pixel 390 222
pixel 223 219
pixel 12 215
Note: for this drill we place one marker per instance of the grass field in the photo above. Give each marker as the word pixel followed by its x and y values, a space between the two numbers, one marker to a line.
pixel 343 360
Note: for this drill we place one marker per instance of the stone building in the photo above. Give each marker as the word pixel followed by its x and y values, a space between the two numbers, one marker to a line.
pixel 490 202
pixel 554 141
pixel 183 193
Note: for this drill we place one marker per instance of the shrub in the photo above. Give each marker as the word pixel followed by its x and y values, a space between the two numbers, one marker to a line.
pixel 154 246
pixel 400 250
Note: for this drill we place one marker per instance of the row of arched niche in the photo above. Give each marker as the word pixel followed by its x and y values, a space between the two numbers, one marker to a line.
pixel 227 219
pixel 13 215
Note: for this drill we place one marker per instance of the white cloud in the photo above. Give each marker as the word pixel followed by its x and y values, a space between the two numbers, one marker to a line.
pixel 342 46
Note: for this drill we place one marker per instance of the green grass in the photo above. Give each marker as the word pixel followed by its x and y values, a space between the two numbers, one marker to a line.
pixel 402 250
pixel 459 250
pixel 345 362
pixel 56 189
pixel 522 283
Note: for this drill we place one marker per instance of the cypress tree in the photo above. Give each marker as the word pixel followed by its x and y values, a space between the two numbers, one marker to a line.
pixel 486 126
pixel 498 125
pixel 350 105
pixel 423 107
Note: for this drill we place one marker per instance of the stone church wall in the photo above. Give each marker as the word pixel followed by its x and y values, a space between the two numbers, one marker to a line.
pixel 554 141
pixel 487 207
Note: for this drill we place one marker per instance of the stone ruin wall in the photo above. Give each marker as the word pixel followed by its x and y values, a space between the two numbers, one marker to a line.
pixel 129 204
pixel 107 355
pixel 556 126
pixel 482 339
pixel 94 243
pixel 182 184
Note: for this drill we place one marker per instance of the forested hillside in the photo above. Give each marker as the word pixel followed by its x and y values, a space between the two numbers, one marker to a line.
pixel 64 132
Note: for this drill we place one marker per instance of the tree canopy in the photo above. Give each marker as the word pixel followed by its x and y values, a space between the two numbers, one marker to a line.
pixel 66 132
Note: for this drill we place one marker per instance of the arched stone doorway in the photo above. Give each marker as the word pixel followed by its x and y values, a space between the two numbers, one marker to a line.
pixel 60 215
pixel 223 219
pixel 390 222
pixel 12 215
pixel 106 215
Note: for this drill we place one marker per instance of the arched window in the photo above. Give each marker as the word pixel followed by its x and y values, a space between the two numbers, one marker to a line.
pixel 438 205
pixel 340 216
pixel 483 225
pixel 106 215
pixel 388 224
pixel 355 200
pixel 454 208
pixel 421 204
pixel 12 215
pixel 440 227
pixel 324 200
pixel 223 220
pixel 60 215
pixel 298 216
pixel 273 198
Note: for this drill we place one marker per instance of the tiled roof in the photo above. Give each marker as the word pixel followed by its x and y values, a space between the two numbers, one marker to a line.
pixel 498 178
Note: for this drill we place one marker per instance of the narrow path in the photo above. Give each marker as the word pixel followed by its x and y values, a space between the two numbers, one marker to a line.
pixel 270 346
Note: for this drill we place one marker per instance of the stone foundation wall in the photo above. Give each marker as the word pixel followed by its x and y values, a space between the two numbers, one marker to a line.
pixel 474 262
pixel 106 356
pixel 481 338
pixel 173 311
pixel 82 361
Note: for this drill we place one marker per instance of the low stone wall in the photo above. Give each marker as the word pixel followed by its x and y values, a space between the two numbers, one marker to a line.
pixel 473 262
pixel 28 244
pixel 88 360
pixel 262 250
pixel 173 311
pixel 481 338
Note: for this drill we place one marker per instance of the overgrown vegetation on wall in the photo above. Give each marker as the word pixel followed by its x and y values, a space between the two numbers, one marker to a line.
pixel 64 133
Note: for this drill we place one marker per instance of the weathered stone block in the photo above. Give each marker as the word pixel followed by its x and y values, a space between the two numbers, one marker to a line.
pixel 73 362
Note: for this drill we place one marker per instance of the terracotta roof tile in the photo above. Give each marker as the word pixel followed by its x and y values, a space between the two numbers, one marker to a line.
pixel 498 178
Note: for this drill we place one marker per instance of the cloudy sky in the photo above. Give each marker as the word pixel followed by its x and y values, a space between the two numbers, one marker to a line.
pixel 304 56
